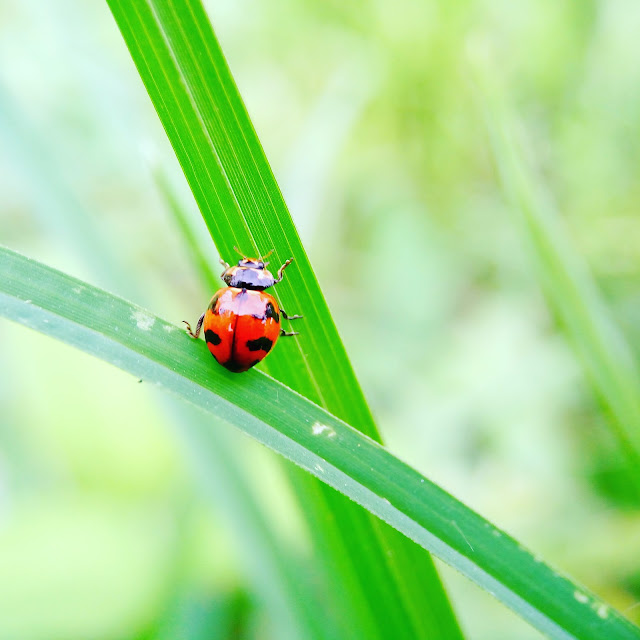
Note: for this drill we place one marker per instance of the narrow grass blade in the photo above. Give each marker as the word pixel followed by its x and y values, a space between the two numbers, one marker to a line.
pixel 161 354
pixel 191 87
pixel 193 91
pixel 572 294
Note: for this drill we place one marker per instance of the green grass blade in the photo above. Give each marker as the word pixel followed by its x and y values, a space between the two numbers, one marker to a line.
pixel 191 87
pixel 307 486
pixel 161 354
pixel 572 294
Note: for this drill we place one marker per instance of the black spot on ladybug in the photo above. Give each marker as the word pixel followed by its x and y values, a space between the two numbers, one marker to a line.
pixel 234 366
pixel 212 337
pixel 270 312
pixel 254 363
pixel 260 344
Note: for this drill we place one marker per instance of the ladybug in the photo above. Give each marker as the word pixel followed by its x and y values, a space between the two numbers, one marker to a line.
pixel 242 322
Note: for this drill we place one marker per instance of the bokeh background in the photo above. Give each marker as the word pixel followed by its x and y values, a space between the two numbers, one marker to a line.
pixel 372 121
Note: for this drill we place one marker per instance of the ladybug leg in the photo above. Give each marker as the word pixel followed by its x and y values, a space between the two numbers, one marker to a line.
pixel 282 268
pixel 283 313
pixel 286 317
pixel 198 327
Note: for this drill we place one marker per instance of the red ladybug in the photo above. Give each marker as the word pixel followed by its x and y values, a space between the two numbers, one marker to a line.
pixel 242 322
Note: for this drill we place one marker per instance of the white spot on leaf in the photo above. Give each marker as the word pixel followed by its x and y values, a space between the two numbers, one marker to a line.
pixel 581 597
pixel 142 320
pixel 318 429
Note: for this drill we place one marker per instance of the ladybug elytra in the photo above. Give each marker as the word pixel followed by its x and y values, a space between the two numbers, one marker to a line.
pixel 242 322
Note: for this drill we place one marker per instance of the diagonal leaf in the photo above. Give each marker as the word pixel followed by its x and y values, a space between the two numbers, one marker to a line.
pixel 159 353
pixel 191 87
pixel 197 101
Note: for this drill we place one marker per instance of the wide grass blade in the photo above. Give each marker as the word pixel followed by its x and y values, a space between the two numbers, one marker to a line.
pixel 191 87
pixel 161 354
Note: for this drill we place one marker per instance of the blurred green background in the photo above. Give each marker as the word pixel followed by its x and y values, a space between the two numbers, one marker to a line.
pixel 368 111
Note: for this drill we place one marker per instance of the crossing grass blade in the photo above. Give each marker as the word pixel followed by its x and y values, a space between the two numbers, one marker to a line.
pixel 390 587
pixel 161 354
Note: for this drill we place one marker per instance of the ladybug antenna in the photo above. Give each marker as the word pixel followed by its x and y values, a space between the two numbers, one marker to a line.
pixel 266 255
pixel 238 251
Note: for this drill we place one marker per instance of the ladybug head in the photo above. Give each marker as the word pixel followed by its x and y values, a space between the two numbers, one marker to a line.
pixel 252 263
pixel 249 273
